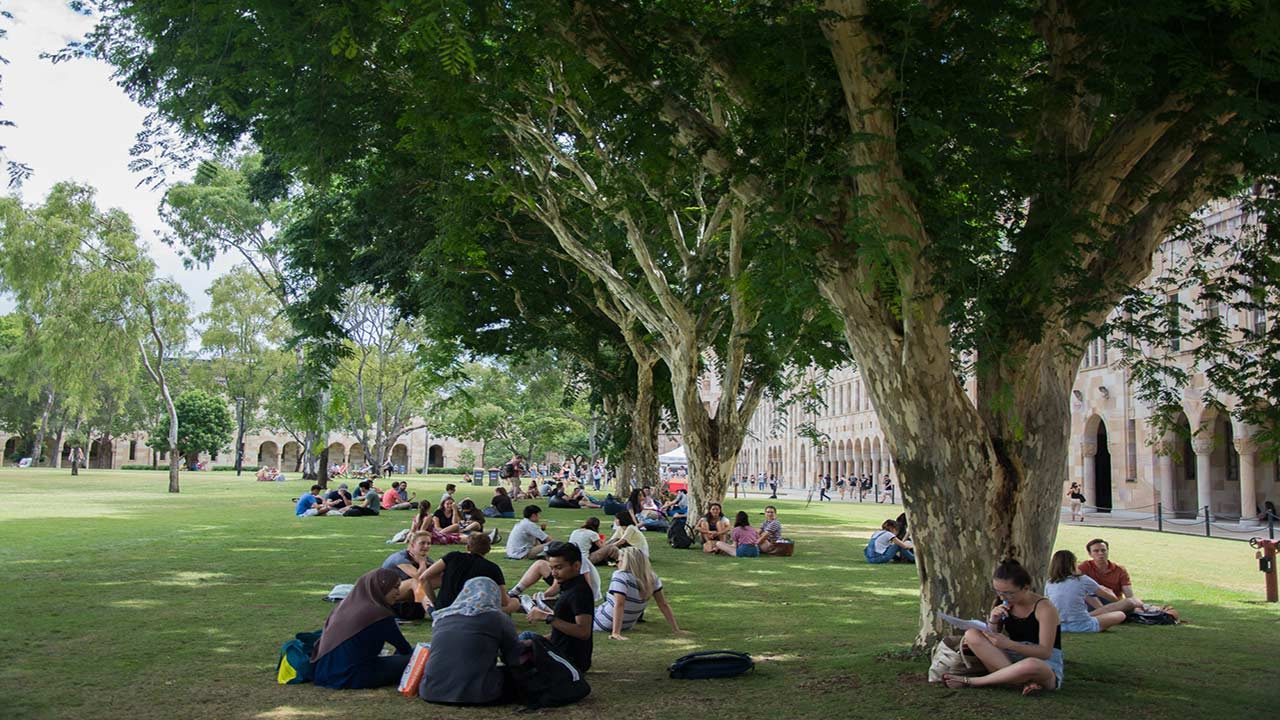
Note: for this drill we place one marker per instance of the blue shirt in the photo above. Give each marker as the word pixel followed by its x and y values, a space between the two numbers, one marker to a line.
pixel 305 503
pixel 350 664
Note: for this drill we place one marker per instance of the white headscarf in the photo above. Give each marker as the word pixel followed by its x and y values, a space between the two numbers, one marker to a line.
pixel 479 595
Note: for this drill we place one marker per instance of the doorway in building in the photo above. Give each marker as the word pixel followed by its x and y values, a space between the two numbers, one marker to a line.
pixel 1102 472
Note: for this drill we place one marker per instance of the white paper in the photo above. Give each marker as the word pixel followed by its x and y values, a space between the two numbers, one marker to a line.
pixel 964 624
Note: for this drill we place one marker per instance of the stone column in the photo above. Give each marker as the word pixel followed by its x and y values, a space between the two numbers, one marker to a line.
pixel 1203 446
pixel 1165 481
pixel 1248 486
pixel 1089 477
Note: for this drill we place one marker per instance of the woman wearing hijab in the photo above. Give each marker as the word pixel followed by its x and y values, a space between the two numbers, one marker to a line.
pixel 347 656
pixel 466 639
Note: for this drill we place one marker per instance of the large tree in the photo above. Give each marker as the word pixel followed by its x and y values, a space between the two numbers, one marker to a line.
pixel 977 185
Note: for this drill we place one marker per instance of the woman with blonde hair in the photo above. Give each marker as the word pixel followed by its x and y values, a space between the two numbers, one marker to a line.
pixel 630 589
pixel 1068 590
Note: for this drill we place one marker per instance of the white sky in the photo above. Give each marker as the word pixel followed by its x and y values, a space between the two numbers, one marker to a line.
pixel 75 123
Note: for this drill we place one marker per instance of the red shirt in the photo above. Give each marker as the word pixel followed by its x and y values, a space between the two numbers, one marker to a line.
pixel 1114 579
pixel 390 498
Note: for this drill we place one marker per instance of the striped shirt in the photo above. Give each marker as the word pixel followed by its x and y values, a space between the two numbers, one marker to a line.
pixel 624 584
pixel 772 529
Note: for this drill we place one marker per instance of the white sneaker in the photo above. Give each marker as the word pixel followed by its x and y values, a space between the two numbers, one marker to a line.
pixel 526 604
pixel 541 602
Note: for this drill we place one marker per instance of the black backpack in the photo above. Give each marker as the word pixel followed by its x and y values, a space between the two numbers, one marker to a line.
pixel 549 679
pixel 1151 616
pixel 711 664
pixel 678 534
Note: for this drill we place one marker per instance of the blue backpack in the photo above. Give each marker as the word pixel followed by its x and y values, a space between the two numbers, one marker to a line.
pixel 294 667
pixel 711 664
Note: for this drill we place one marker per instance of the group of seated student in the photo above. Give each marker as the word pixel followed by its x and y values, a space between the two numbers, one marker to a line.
pixel 269 474
pixel 399 498
pixel 465 596
pixel 575 499
pixel 890 544
pixel 740 540
pixel 452 523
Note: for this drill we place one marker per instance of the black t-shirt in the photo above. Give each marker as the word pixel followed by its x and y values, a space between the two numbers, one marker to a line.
pixel 446 519
pixel 459 567
pixel 502 503
pixel 336 495
pixel 575 599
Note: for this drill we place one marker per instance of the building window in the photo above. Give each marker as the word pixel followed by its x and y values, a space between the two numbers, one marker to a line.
pixel 1174 311
pixel 1260 321
pixel 163 454
pixel 133 449
pixel 1131 451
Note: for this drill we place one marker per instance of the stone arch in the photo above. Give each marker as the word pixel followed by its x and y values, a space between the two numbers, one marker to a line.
pixel 268 454
pixel 356 456
pixel 435 456
pixel 1183 481
pixel 1224 468
pixel 337 454
pixel 400 457
pixel 291 456
pixel 10 447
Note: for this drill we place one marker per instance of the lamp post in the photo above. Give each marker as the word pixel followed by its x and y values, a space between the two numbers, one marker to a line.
pixel 239 435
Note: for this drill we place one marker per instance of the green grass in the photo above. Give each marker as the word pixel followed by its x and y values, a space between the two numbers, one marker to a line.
pixel 122 601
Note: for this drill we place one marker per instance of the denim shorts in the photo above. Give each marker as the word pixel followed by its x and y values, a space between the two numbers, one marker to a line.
pixel 1084 625
pixel 748 550
pixel 1054 662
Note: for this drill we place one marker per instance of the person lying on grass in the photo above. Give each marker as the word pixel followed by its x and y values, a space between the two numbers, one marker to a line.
pixel 744 540
pixel 712 527
pixel 571 619
pixel 467 638
pixel 630 589
pixel 1069 592
pixel 1023 643
pixel 348 654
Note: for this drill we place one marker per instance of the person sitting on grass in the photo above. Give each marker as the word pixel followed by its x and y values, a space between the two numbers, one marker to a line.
pixel 446 523
pixel 527 538
pixel 770 531
pixel 1069 591
pixel 454 570
pixel 677 506
pixel 532 490
pixel 885 546
pixel 467 637
pixel 712 527
pixel 372 501
pixel 571 619
pixel 1116 591
pixel 744 540
pixel 394 499
pixel 311 504
pixel 557 499
pixel 408 564
pixel 471 517
pixel 1023 643
pixel 625 534
pixel 630 589
pixel 541 570
pixel 348 655
pixel 423 520
pixel 500 505
pixel 339 499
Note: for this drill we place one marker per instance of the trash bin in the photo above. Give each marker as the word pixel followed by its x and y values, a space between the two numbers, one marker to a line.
pixel 494 480
pixel 477 477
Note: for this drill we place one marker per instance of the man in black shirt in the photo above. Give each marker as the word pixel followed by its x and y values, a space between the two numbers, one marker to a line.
pixel 571 621
pixel 456 568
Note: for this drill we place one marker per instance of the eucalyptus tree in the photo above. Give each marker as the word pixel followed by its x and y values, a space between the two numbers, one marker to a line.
pixel 972 188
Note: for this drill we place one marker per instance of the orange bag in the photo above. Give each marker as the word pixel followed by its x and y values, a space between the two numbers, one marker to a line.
pixel 412 676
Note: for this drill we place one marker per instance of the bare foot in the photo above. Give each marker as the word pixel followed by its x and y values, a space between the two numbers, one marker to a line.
pixel 955 681
pixel 1031 688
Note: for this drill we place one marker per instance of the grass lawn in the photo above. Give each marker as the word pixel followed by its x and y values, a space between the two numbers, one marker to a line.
pixel 122 601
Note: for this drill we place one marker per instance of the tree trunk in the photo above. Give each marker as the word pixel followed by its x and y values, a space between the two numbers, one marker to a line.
pixel 38 444
pixel 980 482
pixel 642 448
pixel 56 460
pixel 308 459
pixel 173 463
pixel 239 437
pixel 710 443
pixel 322 477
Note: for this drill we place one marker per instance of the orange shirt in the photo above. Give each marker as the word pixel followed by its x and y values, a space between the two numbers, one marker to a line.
pixel 1114 579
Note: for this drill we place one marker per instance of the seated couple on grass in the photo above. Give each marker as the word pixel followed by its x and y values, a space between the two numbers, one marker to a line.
pixel 886 546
